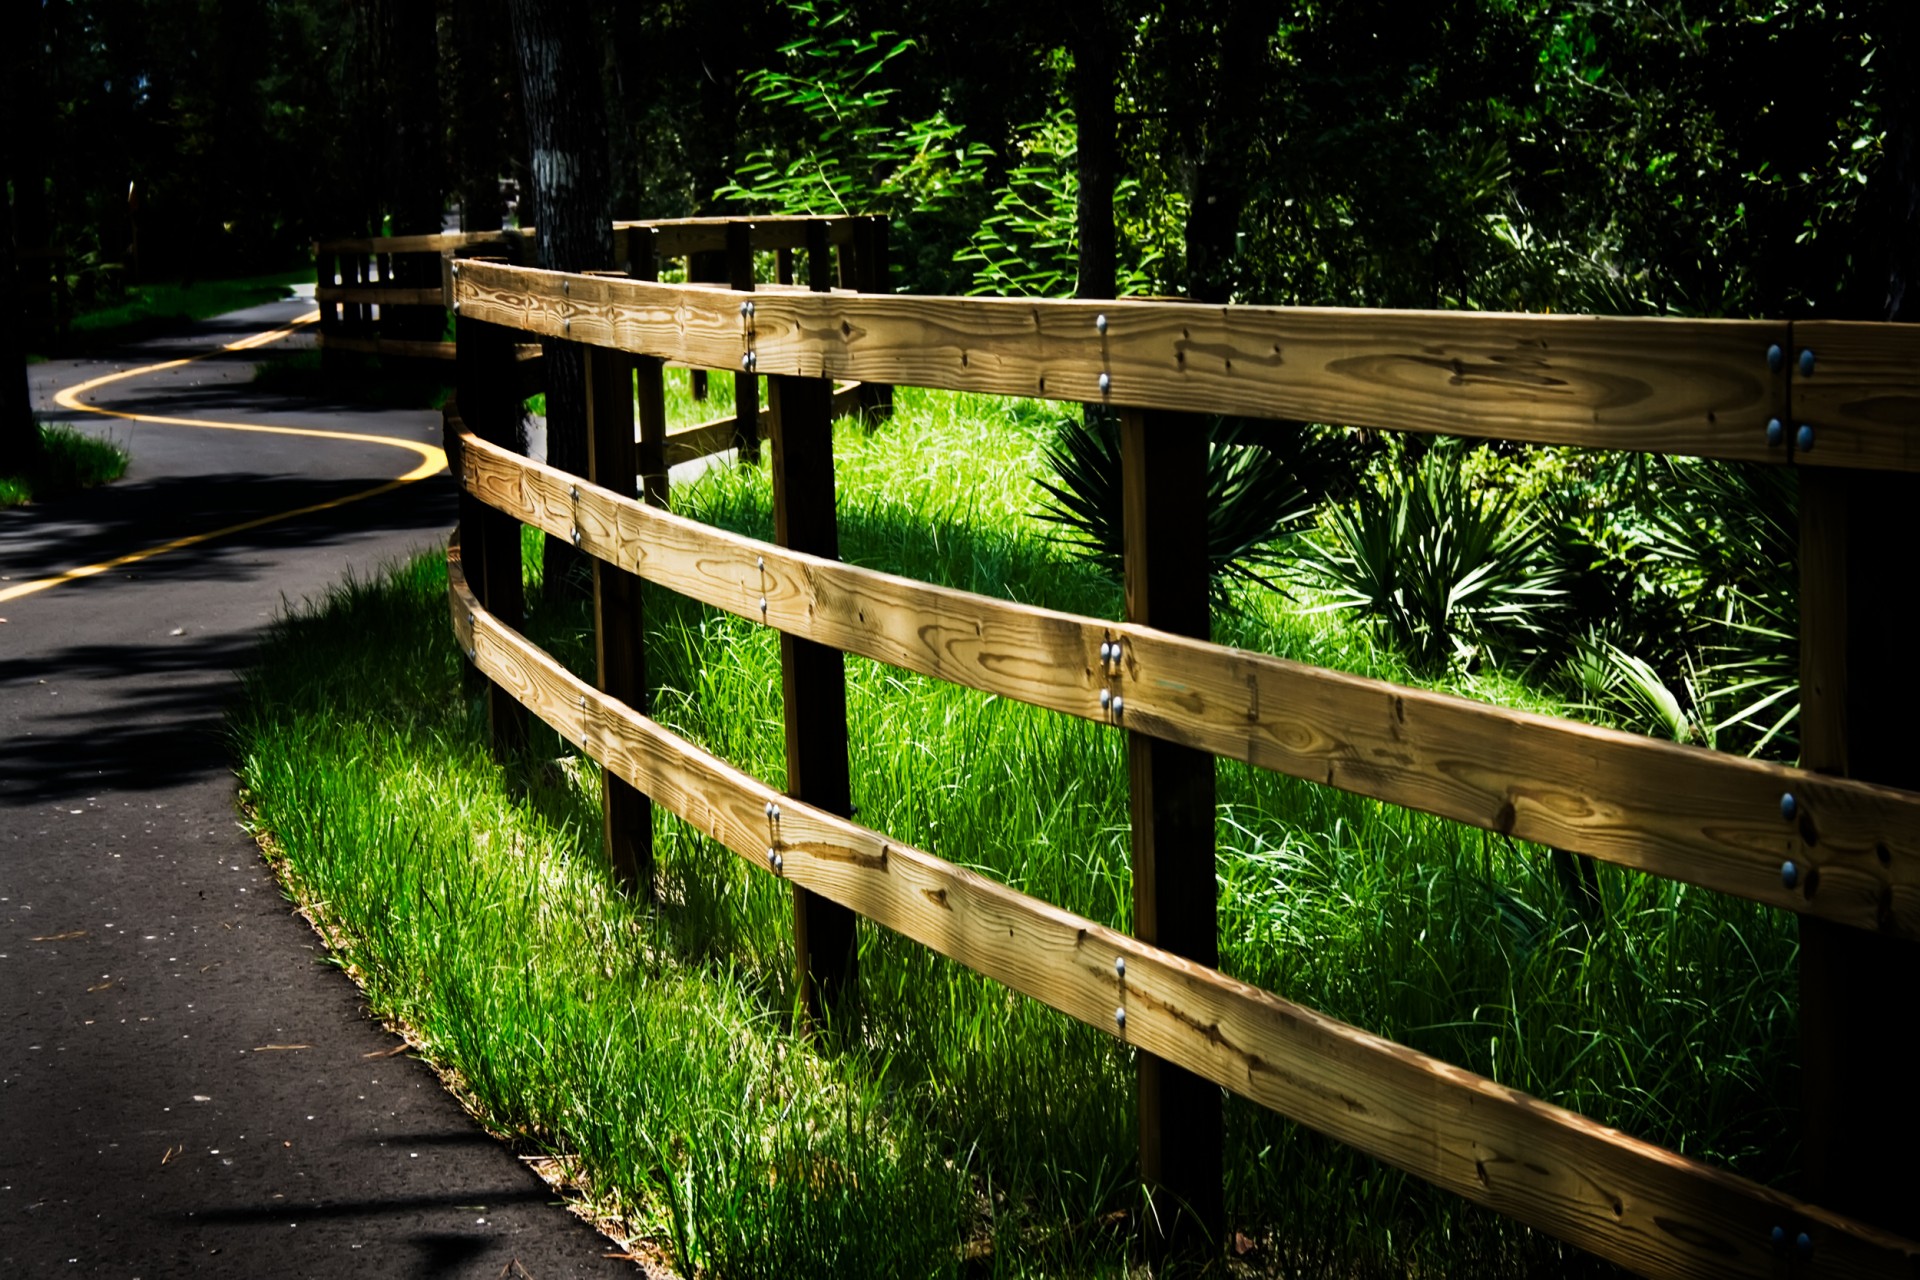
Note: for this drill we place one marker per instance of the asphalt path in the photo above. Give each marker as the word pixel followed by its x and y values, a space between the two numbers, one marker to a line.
pixel 186 1086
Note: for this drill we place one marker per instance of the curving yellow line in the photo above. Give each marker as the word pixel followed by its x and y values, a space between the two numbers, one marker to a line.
pixel 432 459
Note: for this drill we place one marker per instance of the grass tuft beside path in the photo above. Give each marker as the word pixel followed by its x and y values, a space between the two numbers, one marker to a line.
pixel 964 1129
pixel 68 461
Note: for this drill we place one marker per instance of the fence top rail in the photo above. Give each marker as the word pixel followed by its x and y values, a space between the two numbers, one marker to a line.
pixel 1711 388
pixel 443 242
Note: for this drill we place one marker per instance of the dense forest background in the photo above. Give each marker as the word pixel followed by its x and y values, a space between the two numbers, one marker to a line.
pixel 1609 156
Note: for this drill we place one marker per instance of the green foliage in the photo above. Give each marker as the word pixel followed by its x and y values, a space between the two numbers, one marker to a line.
pixel 68 461
pixel 1442 568
pixel 853 152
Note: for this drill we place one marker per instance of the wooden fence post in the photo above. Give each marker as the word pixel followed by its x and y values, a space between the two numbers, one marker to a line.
pixel 619 638
pixel 649 380
pixel 1859 699
pixel 873 273
pixel 814 687
pixel 1164 483
pixel 746 383
pixel 489 404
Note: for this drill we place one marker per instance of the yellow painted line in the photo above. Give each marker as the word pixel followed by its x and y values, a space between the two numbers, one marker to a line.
pixel 432 459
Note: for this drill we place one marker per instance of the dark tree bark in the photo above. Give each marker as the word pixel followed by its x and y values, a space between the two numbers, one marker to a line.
pixel 27 129
pixel 1096 56
pixel 479 126
pixel 1221 176
pixel 565 108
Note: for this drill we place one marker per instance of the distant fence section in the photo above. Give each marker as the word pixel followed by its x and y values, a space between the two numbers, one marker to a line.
pixel 1840 403
pixel 389 296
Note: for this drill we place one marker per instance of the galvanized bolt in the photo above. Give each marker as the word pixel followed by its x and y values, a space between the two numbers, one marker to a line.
pixel 1106 699
pixel 1789 874
pixel 576 536
pixel 1804 1243
pixel 1119 705
pixel 1120 1017
pixel 456 268
pixel 1106 383
pixel 566 286
pixel 1779 1237
pixel 1100 322
pixel 1120 966
pixel 469 619
pixel 583 702
pixel 566 325
pixel 1806 363
pixel 769 808
pixel 1803 439
pixel 1788 806
pixel 775 814
pixel 573 491
pixel 746 308
pixel 760 562
pixel 1776 360
pixel 456 306
pixel 763 605
pixel 1776 432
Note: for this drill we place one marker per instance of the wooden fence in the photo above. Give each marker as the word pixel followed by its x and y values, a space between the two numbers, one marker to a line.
pixel 1841 402
pixel 385 295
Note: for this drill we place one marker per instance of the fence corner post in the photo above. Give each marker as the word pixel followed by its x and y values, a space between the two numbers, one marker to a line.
pixel 490 408
pixel 1171 793
pixel 1858 702
pixel 746 383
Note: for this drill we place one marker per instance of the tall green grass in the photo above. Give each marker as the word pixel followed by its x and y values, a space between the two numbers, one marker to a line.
pixel 69 461
pixel 958 1120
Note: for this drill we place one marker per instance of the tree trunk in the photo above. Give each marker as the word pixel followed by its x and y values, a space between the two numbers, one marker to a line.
pixel 561 95
pixel 1096 56
pixel 479 126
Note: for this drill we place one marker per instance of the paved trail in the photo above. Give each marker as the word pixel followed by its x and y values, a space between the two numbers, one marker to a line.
pixel 186 1087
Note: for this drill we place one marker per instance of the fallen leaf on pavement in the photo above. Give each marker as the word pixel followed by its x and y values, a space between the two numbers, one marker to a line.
pixel 68 936
pixel 268 1048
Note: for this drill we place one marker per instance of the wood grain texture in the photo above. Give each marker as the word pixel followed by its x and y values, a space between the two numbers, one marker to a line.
pixel 1862 398
pixel 1682 812
pixel 1646 1208
pixel 1669 386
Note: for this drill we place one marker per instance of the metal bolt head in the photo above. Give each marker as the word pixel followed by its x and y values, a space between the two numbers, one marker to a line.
pixel 456 306
pixel 1120 966
pixel 1803 439
pixel 1776 361
pixel 566 325
pixel 583 702
pixel 1789 874
pixel 1106 383
pixel 1119 1017
pixel 746 308
pixel 746 361
pixel 1100 322
pixel 776 813
pixel 763 604
pixel 769 808
pixel 1804 1243
pixel 1106 699
pixel 1788 806
pixel 1776 432
pixel 576 537
pixel 573 491
pixel 759 562
pixel 566 286
pixel 1119 705
pixel 1779 1236
pixel 1806 363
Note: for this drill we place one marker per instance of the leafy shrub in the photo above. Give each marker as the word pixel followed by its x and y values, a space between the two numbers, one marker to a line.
pixel 1438 565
